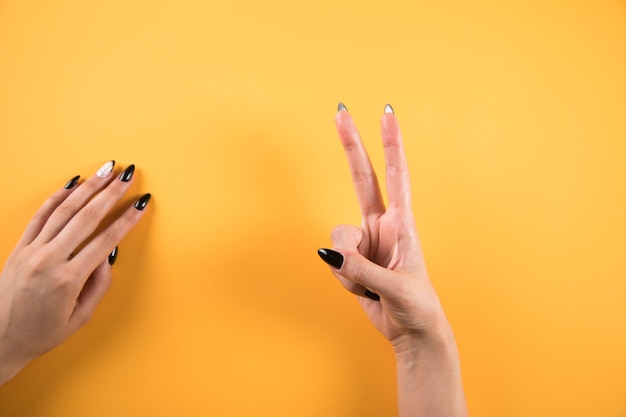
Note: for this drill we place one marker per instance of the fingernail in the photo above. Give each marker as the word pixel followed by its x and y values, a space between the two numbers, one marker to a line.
pixel 331 257
pixel 71 183
pixel 341 107
pixel 106 169
pixel 127 174
pixel 389 109
pixel 372 295
pixel 113 256
pixel 142 202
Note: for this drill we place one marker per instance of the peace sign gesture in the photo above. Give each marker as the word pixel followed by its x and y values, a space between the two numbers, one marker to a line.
pixel 382 259
pixel 381 262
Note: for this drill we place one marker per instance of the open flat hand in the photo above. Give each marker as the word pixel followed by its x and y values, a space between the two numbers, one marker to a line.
pixel 48 290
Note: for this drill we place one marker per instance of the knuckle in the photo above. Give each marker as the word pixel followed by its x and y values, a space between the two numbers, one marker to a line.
pixel 67 281
pixel 362 176
pixel 88 214
pixel 396 168
pixel 358 271
pixel 64 285
pixel 38 263
pixel 65 209
pixel 110 237
pixel 62 277
pixel 350 145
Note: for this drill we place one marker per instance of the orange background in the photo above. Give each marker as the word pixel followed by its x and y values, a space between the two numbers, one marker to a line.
pixel 514 120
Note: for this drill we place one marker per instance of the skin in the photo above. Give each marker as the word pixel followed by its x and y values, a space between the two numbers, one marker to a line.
pixel 384 255
pixel 47 291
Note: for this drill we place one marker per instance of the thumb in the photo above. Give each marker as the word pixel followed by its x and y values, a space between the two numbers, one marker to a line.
pixel 355 266
pixel 349 263
pixel 374 280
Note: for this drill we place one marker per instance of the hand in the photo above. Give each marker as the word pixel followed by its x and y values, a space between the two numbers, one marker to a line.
pixel 383 257
pixel 382 263
pixel 56 275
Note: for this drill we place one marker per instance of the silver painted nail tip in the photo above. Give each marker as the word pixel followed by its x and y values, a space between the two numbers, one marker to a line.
pixel 341 107
pixel 105 169
pixel 389 109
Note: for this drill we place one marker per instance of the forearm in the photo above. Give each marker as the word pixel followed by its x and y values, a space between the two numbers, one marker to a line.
pixel 429 376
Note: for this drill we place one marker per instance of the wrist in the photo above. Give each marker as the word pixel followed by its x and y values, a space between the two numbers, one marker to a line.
pixel 429 374
pixel 436 341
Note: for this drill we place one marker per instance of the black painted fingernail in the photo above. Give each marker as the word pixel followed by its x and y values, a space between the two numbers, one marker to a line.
pixel 142 202
pixel 127 174
pixel 341 107
pixel 71 183
pixel 331 257
pixel 372 295
pixel 389 109
pixel 113 256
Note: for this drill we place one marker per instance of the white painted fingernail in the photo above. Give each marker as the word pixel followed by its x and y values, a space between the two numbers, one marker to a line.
pixel 105 169
pixel 388 109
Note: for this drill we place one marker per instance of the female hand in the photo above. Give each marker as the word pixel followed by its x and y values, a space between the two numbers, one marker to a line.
pixel 382 263
pixel 56 276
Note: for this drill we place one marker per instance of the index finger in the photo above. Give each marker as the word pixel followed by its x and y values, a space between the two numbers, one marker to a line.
pixel 363 175
pixel 398 181
pixel 40 218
